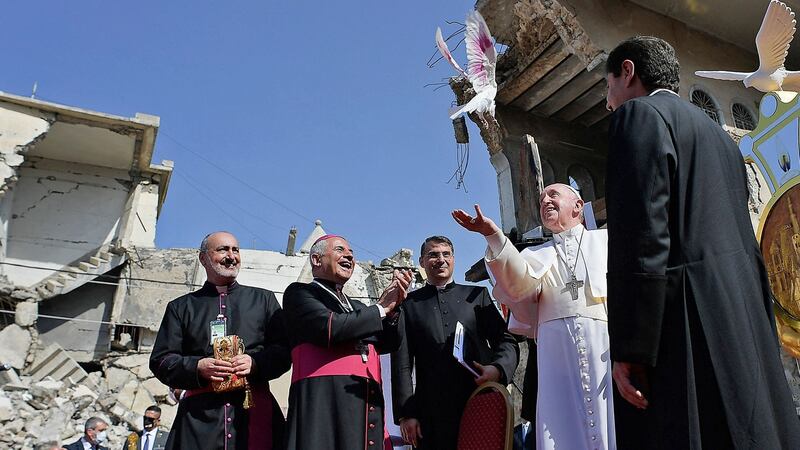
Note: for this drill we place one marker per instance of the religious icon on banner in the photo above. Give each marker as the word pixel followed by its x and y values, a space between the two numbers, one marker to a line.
pixel 773 149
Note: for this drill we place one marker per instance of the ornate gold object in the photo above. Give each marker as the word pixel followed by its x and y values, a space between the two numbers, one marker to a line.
pixel 226 348
pixel 133 441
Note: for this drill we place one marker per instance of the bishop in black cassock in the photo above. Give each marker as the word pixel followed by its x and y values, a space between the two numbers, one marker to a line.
pixel 182 357
pixel 690 320
pixel 336 399
pixel 427 328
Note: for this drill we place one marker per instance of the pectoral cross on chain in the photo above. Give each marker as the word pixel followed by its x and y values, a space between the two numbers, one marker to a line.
pixel 572 286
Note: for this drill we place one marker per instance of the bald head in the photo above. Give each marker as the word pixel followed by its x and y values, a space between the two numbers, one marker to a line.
pixel 219 255
pixel 560 207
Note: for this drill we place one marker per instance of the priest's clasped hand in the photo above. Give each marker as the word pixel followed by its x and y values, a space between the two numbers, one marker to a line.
pixel 479 224
pixel 214 369
pixel 397 290
pixel 242 365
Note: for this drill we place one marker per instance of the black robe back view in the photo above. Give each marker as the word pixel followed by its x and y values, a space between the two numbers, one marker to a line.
pixel 688 294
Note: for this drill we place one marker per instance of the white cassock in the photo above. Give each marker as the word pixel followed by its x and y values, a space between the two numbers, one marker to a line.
pixel 574 408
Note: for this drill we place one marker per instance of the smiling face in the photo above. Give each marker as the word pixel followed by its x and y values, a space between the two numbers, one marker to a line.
pixel 559 208
pixel 336 263
pixel 221 260
pixel 438 260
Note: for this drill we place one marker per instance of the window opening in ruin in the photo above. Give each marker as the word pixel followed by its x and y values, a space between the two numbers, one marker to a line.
pixel 706 103
pixel 742 118
pixel 126 337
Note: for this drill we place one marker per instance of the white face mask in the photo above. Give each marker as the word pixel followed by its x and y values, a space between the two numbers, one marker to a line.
pixel 100 437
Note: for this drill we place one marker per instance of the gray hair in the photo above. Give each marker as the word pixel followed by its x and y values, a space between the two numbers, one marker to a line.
pixel 318 248
pixel 93 423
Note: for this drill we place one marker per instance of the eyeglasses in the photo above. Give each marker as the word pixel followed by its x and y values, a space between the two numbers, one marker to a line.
pixel 437 255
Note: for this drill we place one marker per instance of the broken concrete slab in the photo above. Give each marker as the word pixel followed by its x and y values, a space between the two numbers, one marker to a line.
pixel 143 372
pixel 14 354
pixel 10 377
pixel 26 313
pixel 156 388
pixel 127 395
pixel 45 392
pixel 142 401
pixel 132 361
pixel 6 409
pixel 116 377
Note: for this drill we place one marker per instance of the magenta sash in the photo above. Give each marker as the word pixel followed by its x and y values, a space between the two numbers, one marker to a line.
pixel 309 360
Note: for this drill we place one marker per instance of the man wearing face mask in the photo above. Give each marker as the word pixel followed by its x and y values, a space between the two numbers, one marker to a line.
pixel 94 436
pixel 336 400
pixel 429 415
pixel 151 438
pixel 556 293
pixel 183 356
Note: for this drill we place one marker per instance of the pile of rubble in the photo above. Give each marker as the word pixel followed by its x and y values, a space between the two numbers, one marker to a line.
pixel 50 409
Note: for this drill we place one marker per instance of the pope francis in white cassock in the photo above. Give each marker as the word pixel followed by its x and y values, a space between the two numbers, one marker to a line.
pixel 556 293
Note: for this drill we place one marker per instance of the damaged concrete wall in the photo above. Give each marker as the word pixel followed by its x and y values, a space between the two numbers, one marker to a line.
pixel 61 212
pixel 608 22
pixel 23 128
pixel 84 339
pixel 142 303
pixel 141 212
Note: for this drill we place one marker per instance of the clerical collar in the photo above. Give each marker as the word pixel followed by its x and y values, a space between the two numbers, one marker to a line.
pixel 328 284
pixel 214 289
pixel 450 283
pixel 572 232
pixel 663 90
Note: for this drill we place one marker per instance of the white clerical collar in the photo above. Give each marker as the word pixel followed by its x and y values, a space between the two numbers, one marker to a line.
pixel 572 232
pixel 442 285
pixel 664 90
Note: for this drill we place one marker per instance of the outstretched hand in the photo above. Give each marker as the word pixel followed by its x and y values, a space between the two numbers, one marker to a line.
pixel 479 224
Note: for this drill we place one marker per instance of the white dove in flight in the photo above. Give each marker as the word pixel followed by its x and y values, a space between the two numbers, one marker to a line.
pixel 481 62
pixel 772 43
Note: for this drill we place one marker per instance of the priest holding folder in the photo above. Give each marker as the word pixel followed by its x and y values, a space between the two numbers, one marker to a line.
pixel 430 415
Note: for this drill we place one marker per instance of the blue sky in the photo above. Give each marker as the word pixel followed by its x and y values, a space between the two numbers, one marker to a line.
pixel 308 110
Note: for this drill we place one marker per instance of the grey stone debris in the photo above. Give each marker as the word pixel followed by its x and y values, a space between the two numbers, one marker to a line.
pixel 33 410
pixel 14 354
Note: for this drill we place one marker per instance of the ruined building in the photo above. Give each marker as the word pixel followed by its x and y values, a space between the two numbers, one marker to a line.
pixel 551 111
pixel 82 286
pixel 551 118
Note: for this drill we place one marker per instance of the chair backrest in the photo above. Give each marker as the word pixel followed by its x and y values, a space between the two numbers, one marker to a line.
pixel 487 420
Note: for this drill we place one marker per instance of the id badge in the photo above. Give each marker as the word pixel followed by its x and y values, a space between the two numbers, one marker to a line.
pixel 217 329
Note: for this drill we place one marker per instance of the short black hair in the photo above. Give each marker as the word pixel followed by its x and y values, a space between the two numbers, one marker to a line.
pixel 154 408
pixel 436 240
pixel 653 58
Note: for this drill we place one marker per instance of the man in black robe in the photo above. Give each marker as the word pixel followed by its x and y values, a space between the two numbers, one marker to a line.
pixel 336 400
pixel 690 320
pixel 182 356
pixel 429 417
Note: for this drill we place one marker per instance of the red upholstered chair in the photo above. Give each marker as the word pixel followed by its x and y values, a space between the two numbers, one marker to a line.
pixel 487 422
